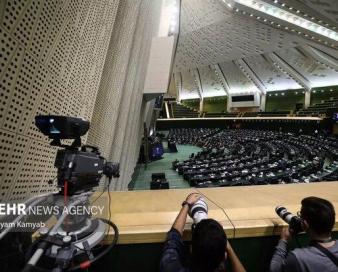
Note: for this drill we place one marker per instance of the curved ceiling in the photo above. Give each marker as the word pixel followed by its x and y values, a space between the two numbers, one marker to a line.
pixel 237 46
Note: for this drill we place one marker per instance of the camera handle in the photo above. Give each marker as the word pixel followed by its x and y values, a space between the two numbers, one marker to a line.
pixel 93 148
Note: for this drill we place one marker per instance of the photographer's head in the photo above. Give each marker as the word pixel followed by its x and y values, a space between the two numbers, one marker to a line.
pixel 209 244
pixel 318 216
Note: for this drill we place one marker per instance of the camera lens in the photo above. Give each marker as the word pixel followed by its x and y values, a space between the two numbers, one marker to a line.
pixel 199 211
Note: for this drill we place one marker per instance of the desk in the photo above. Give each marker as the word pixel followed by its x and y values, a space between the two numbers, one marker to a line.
pixel 251 209
pixel 247 211
pixel 147 216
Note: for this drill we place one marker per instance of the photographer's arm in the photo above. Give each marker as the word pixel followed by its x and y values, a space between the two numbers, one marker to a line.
pixel 236 264
pixel 181 219
pixel 182 216
pixel 173 252
pixel 281 261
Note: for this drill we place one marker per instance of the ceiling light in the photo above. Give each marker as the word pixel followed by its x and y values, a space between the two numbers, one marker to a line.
pixel 289 17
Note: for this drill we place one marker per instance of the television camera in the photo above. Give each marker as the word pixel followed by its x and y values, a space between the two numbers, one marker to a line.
pixel 80 168
pixel 72 242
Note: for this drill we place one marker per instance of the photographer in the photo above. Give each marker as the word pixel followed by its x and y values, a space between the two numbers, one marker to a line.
pixel 317 219
pixel 210 248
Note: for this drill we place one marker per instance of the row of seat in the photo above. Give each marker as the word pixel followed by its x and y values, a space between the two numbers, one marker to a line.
pixel 253 157
pixel 247 114
pixel 181 111
pixel 326 107
pixel 190 135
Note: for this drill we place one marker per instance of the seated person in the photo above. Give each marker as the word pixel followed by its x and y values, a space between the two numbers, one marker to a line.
pixel 318 219
pixel 210 247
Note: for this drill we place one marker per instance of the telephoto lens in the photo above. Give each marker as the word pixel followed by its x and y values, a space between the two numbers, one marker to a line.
pixel 294 221
pixel 199 210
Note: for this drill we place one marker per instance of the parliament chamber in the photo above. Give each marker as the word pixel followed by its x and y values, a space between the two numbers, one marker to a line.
pixel 125 125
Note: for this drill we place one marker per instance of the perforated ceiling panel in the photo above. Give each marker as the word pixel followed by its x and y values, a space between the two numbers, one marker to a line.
pixel 51 59
pixel 210 83
pixel 328 8
pixel 211 12
pixel 206 39
pixel 316 73
pixel 236 79
pixel 272 78
pixel 189 88
pixel 213 33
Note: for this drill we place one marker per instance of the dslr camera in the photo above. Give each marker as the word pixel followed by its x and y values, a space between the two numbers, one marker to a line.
pixel 295 222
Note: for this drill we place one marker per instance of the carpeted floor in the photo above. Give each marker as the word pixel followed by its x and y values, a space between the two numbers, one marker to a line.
pixel 142 177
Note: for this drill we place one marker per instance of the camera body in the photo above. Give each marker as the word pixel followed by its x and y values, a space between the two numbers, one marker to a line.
pixel 81 169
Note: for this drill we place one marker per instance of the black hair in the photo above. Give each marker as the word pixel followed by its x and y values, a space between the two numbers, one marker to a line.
pixel 209 243
pixel 319 214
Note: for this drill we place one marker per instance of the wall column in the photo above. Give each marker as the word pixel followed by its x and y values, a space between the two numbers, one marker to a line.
pixel 263 101
pixel 307 99
pixel 229 104
pixel 201 105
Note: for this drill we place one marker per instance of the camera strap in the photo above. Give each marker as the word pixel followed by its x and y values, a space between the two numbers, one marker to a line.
pixel 327 252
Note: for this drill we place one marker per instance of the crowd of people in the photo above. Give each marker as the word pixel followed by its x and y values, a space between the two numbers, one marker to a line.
pixel 254 157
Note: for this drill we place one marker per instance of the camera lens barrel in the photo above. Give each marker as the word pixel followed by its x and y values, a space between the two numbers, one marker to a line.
pixel 199 211
pixel 294 221
pixel 284 214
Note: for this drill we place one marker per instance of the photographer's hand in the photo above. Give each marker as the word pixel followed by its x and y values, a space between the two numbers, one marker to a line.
pixel 182 216
pixel 193 198
pixel 286 234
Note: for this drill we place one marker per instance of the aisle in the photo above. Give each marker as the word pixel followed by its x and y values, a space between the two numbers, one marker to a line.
pixel 142 177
